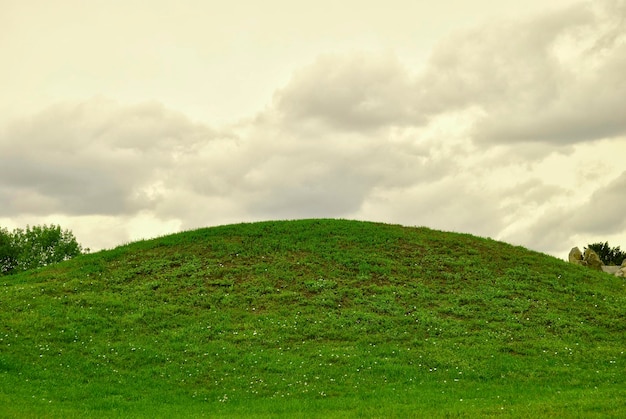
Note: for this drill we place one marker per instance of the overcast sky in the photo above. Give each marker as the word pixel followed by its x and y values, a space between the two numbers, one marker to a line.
pixel 130 119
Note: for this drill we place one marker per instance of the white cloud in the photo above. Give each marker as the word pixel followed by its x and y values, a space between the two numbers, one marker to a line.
pixel 554 79
pixel 94 157
pixel 605 211
pixel 353 92
pixel 507 132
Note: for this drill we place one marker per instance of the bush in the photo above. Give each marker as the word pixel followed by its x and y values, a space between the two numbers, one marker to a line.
pixel 8 252
pixel 608 255
pixel 35 247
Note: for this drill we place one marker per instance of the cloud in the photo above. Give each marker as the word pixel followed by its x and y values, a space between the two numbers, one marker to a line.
pixel 350 92
pixel 500 135
pixel 556 78
pixel 605 211
pixel 558 226
pixel 94 157
pixel 452 203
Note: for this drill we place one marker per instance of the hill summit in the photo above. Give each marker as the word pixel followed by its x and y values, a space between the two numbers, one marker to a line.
pixel 323 318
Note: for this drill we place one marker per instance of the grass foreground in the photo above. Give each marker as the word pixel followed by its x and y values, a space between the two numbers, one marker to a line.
pixel 313 318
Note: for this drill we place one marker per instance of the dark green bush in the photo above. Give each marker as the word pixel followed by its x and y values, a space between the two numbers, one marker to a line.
pixel 608 255
pixel 8 252
pixel 35 247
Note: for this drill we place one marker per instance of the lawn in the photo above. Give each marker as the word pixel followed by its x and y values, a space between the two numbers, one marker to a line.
pixel 313 318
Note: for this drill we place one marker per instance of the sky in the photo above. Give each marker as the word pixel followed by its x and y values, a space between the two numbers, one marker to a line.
pixel 123 120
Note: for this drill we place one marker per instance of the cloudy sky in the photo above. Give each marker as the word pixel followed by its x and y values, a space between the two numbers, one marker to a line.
pixel 130 119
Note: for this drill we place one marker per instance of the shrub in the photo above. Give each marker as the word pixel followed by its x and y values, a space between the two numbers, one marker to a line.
pixel 608 255
pixel 8 253
pixel 35 247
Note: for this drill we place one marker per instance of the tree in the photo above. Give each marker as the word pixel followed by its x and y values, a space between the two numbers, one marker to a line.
pixel 608 255
pixel 8 253
pixel 35 247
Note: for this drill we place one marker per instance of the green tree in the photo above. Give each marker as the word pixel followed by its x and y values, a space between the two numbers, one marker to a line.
pixel 608 255
pixel 35 247
pixel 8 253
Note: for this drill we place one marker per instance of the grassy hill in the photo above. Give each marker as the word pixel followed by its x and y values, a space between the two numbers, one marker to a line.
pixel 313 318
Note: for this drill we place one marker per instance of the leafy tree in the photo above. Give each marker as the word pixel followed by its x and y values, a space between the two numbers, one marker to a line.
pixel 8 253
pixel 608 255
pixel 35 246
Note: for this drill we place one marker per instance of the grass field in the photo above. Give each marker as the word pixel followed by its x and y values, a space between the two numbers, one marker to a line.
pixel 313 318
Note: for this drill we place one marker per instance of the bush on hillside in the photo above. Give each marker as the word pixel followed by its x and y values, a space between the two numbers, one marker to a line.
pixel 608 255
pixel 35 247
pixel 8 252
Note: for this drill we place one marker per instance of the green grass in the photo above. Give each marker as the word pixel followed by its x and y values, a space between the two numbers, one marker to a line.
pixel 313 318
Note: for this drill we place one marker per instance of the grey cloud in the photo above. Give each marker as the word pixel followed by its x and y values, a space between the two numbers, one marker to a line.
pixel 605 212
pixel 552 232
pixel 310 183
pixel 556 78
pixel 329 194
pixel 354 92
pixel 455 202
pixel 531 193
pixel 94 157
pixel 39 187
pixel 333 175
pixel 101 158
pixel 352 136
pixel 495 64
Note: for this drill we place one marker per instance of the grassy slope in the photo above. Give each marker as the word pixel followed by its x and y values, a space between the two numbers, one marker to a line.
pixel 323 317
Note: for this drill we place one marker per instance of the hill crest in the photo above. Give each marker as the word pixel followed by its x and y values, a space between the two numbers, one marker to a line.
pixel 328 317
